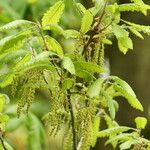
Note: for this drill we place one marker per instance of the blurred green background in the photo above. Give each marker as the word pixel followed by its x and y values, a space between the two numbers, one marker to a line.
pixel 133 68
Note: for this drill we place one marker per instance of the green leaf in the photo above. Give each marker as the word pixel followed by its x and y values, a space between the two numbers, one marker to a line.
pixel 15 24
pixel 54 46
pixel 2 102
pixel 84 74
pixel 139 7
pixel 68 83
pixel 14 123
pixel 140 122
pixel 114 130
pixel 68 65
pixel 137 1
pixel 133 101
pixel 11 57
pixel 56 28
pixel 121 137
pixel 98 7
pixel 95 89
pixel 124 42
pixel 111 107
pixel 6 79
pixel 135 32
pixel 116 105
pixel 110 123
pixel 52 16
pixel 81 8
pixel 106 41
pixel 41 61
pixel 36 134
pixel 14 42
pixel 91 67
pixel 22 61
pixel 4 99
pixel 86 22
pixel 123 84
pixel 127 145
pixel 71 34
pixel 138 27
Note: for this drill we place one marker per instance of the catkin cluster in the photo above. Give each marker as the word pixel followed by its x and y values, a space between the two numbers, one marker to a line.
pixel 24 87
pixel 58 112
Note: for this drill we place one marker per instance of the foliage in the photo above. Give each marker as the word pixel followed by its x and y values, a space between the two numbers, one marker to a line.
pixel 81 95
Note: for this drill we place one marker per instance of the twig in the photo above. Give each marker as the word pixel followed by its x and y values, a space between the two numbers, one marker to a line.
pixel 72 122
pixel 2 141
pixel 45 45
pixel 46 83
pixel 42 35
pixel 102 15
pixel 3 145
pixel 106 26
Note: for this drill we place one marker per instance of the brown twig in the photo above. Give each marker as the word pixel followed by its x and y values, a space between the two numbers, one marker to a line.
pixel 2 141
pixel 46 46
pixel 72 122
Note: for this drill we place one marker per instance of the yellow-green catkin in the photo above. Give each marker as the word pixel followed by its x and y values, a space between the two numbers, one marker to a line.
pixel 24 87
pixel 57 115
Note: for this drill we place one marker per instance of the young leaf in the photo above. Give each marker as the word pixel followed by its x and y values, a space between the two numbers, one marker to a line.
pixel 140 122
pixel 133 101
pixel 14 42
pixel 11 57
pixel 41 61
pixel 4 99
pixel 68 65
pixel 123 84
pixel 111 106
pixel 35 135
pixel 2 102
pixel 84 74
pixel 52 16
pixel 109 121
pixel 56 28
pixel 124 42
pixel 6 79
pixel 22 61
pixel 116 105
pixel 137 1
pixel 134 7
pixel 127 145
pixel 138 27
pixel 71 34
pixel 111 131
pixel 68 83
pixel 54 46
pixel 81 8
pixel 106 41
pixel 86 22
pixel 98 7
pixel 93 68
pixel 120 137
pixel 15 24
pixel 135 32
pixel 95 88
